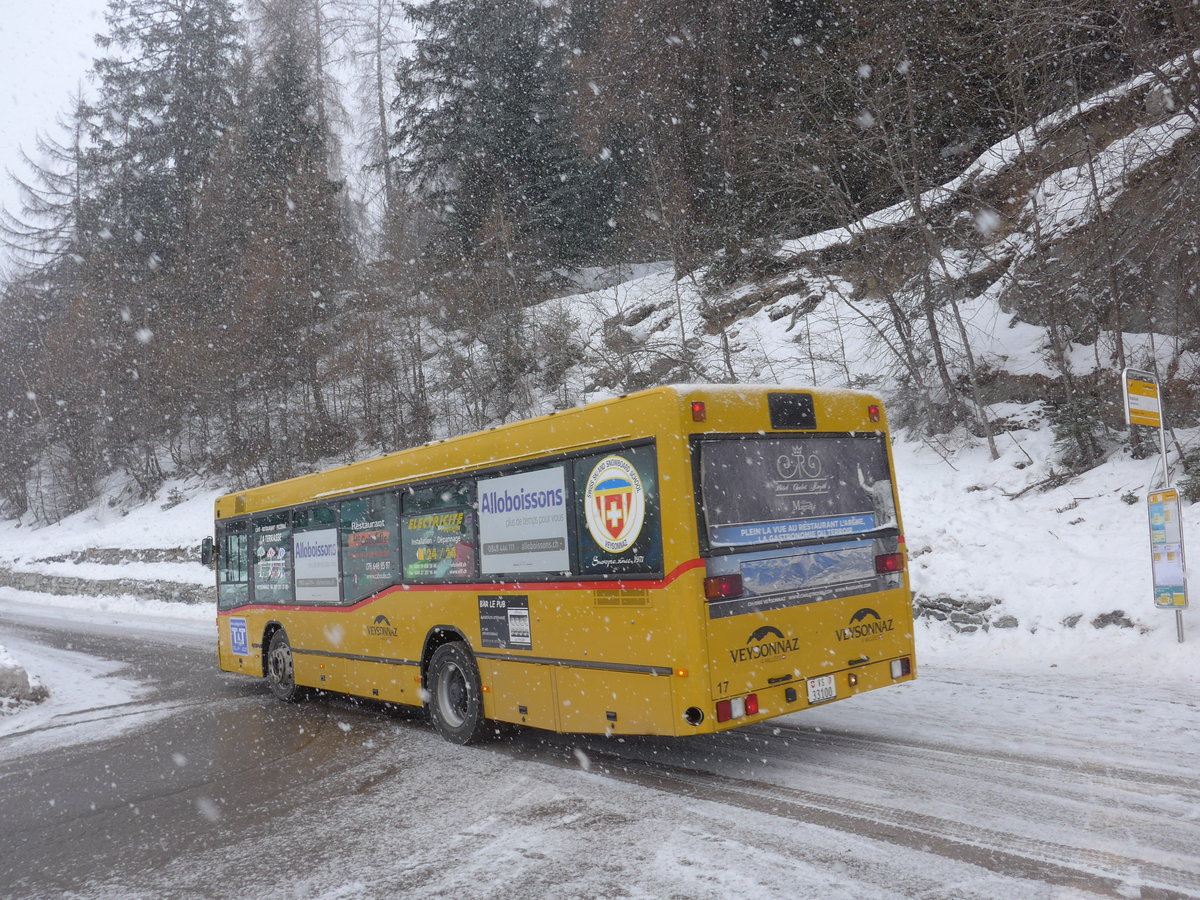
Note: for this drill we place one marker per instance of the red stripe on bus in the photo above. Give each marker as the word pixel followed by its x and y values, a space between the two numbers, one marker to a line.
pixel 528 586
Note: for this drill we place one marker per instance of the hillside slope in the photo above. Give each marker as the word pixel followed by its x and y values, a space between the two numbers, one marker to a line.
pixel 1058 255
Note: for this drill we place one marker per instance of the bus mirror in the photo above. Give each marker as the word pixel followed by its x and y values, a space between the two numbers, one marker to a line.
pixel 206 552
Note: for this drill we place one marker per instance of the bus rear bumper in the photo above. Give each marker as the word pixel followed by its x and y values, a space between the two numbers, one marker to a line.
pixel 797 695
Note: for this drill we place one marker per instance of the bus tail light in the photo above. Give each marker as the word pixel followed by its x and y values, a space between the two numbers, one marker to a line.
pixel 723 587
pixel 901 667
pixel 737 708
pixel 889 563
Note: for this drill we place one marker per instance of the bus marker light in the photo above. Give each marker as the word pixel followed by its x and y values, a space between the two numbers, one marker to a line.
pixel 853 679
pixel 723 587
pixel 681 673
pixel 752 705
pixel 888 563
pixel 699 413
pixel 901 667
pixel 873 413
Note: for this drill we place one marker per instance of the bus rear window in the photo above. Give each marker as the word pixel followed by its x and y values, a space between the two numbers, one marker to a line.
pixel 757 490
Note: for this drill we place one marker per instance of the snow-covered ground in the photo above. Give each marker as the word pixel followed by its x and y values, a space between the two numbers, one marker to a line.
pixel 70 687
pixel 1065 722
pixel 1081 549
pixel 75 684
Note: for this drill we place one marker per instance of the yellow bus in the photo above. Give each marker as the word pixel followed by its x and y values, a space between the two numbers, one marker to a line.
pixel 679 561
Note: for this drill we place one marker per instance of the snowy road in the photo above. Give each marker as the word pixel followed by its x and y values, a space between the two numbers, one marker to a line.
pixel 973 782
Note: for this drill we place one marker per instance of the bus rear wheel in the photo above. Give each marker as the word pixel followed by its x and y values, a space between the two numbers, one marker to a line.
pixel 281 671
pixel 455 696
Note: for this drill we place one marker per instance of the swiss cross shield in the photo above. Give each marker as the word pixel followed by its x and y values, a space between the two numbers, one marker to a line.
pixel 614 506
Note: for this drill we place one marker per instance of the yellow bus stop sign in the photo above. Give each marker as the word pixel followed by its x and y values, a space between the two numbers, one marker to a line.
pixel 1142 404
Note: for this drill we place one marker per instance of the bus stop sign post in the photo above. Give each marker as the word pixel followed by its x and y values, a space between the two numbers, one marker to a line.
pixel 1143 406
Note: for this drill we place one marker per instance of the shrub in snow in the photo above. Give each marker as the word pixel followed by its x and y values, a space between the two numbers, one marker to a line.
pixel 1189 485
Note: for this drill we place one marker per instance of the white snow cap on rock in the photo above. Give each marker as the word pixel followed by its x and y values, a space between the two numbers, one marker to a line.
pixel 15 683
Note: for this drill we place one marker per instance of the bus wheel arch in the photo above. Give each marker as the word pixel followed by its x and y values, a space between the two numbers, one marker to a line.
pixel 454 695
pixel 268 633
pixel 437 636
pixel 279 668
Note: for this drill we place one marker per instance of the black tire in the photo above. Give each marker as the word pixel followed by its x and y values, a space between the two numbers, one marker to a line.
pixel 281 670
pixel 455 698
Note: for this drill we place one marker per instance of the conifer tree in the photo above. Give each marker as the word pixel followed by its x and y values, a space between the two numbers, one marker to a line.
pixel 164 100
pixel 485 129
pixel 295 255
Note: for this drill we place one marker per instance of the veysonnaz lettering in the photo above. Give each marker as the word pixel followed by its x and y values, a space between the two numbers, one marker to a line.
pixel 764 651
pixel 381 627
pixel 758 647
pixel 858 631
pixel 860 627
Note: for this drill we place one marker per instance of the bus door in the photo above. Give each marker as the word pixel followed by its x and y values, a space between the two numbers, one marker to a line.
pixel 804 563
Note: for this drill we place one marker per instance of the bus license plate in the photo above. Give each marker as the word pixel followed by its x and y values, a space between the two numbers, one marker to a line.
pixel 821 689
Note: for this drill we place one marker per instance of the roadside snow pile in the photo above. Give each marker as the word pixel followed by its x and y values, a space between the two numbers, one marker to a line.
pixel 150 551
pixel 17 690
pixel 1009 559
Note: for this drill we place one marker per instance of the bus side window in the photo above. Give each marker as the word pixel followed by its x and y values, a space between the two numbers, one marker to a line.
pixel 618 513
pixel 369 546
pixel 438 533
pixel 271 549
pixel 233 574
pixel 315 555
pixel 523 522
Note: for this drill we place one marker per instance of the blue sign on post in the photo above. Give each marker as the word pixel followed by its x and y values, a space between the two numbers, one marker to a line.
pixel 1166 550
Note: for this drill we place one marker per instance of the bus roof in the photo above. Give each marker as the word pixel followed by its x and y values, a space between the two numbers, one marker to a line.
pixel 648 413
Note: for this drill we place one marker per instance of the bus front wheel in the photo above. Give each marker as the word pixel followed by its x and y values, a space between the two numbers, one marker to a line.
pixel 455 696
pixel 281 671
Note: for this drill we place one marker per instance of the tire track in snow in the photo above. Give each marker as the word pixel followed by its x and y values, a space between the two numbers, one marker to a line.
pixel 1008 855
pixel 1133 780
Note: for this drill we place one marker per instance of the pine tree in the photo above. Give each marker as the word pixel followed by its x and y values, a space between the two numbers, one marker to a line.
pixel 485 130
pixel 164 100
pixel 295 254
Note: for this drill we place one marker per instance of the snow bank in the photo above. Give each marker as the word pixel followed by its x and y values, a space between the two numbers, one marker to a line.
pixel 161 523
pixel 1065 571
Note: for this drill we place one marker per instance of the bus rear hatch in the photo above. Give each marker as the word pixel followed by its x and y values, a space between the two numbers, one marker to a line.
pixel 806 596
